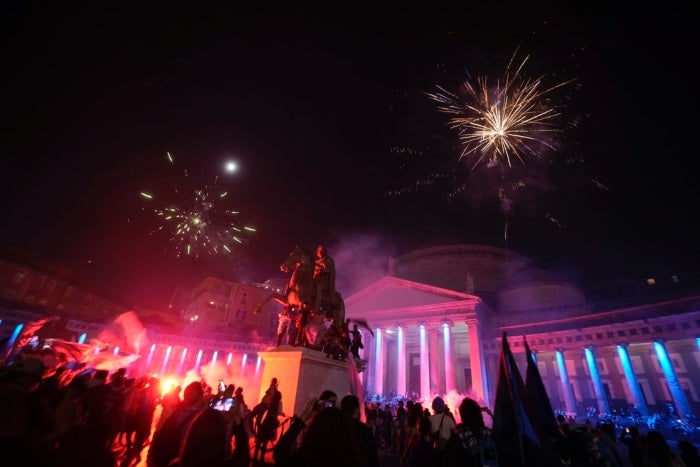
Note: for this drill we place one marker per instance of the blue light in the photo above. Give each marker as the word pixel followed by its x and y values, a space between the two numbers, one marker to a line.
pixel 82 338
pixel 636 391
pixel 569 398
pixel 604 407
pixel 15 335
pixel 673 384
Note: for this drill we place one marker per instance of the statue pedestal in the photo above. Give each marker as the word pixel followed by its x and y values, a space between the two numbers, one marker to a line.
pixel 302 374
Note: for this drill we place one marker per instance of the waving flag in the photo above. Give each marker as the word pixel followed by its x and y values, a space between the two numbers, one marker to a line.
pixel 28 331
pixel 540 398
pixel 515 424
pixel 361 322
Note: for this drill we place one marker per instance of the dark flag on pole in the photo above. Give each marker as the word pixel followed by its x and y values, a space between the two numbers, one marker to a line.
pixel 363 324
pixel 516 429
pixel 540 398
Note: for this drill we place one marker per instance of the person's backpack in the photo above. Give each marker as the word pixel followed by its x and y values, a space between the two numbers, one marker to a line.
pixel 479 446
pixel 435 439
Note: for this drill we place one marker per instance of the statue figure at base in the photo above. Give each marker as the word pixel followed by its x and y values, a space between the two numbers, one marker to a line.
pixel 320 309
pixel 311 281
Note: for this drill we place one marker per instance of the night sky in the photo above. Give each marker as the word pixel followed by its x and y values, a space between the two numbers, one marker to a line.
pixel 326 114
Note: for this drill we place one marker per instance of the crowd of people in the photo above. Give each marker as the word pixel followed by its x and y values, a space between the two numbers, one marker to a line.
pixel 97 418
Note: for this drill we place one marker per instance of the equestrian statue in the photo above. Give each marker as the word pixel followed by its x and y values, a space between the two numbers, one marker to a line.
pixel 311 287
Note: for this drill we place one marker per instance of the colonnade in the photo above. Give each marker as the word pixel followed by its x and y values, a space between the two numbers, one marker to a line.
pixel 679 398
pixel 435 344
pixel 435 349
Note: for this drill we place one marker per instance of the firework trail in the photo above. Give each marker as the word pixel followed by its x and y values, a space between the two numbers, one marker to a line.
pixel 197 221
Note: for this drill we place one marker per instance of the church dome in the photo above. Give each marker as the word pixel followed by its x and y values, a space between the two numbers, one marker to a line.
pixel 463 268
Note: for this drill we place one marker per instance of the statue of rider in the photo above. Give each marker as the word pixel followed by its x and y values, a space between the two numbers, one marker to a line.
pixel 324 280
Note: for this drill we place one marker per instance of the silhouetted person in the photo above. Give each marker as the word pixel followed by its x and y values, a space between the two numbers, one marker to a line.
pixel 421 452
pixel 267 429
pixel 443 424
pixel 286 326
pixel 356 341
pixel 657 452
pixel 329 440
pixel 471 443
pixel 302 320
pixel 630 438
pixel 689 453
pixel 167 441
pixel 204 443
pixel 19 407
pixel 168 404
pixel 350 406
pixel 324 279
pixel 105 407
pixel 288 442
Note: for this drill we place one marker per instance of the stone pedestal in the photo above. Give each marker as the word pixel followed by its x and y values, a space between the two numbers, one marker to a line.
pixel 302 374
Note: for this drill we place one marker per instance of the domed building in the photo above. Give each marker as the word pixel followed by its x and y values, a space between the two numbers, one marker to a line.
pixel 439 315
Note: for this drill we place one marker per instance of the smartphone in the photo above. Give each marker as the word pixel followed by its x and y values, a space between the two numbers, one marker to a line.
pixel 324 404
pixel 222 405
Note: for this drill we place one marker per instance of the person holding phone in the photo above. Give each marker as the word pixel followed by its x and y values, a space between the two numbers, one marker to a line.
pixel 294 436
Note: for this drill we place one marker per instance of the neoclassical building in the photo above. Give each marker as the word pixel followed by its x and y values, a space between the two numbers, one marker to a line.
pixel 439 315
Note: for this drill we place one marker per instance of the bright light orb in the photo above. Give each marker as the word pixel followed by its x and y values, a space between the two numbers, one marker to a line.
pixel 231 167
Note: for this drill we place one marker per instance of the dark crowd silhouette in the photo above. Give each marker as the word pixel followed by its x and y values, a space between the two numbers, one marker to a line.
pixel 99 418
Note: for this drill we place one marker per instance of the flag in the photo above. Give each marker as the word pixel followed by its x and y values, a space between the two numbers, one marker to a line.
pixel 29 330
pixel 363 324
pixel 540 398
pixel 126 332
pixel 67 351
pixel 355 385
pixel 516 429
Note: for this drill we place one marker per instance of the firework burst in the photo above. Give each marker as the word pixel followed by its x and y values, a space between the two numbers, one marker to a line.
pixel 510 120
pixel 197 220
pixel 510 133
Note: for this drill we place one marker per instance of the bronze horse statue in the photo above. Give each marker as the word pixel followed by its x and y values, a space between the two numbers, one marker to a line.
pixel 301 288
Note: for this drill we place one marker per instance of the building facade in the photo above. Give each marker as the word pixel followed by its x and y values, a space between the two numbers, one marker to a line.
pixel 439 317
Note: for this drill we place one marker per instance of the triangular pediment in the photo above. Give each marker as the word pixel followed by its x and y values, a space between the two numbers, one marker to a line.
pixel 392 292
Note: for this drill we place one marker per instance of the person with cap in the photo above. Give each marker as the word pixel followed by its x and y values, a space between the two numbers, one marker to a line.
pixel 442 423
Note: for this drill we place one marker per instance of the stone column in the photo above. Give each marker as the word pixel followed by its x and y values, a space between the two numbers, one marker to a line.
pixel 447 326
pixel 368 374
pixel 603 404
pixel 637 396
pixel 400 360
pixel 434 364
pixel 424 364
pixel 674 385
pixel 566 388
pixel 476 361
pixel 378 362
